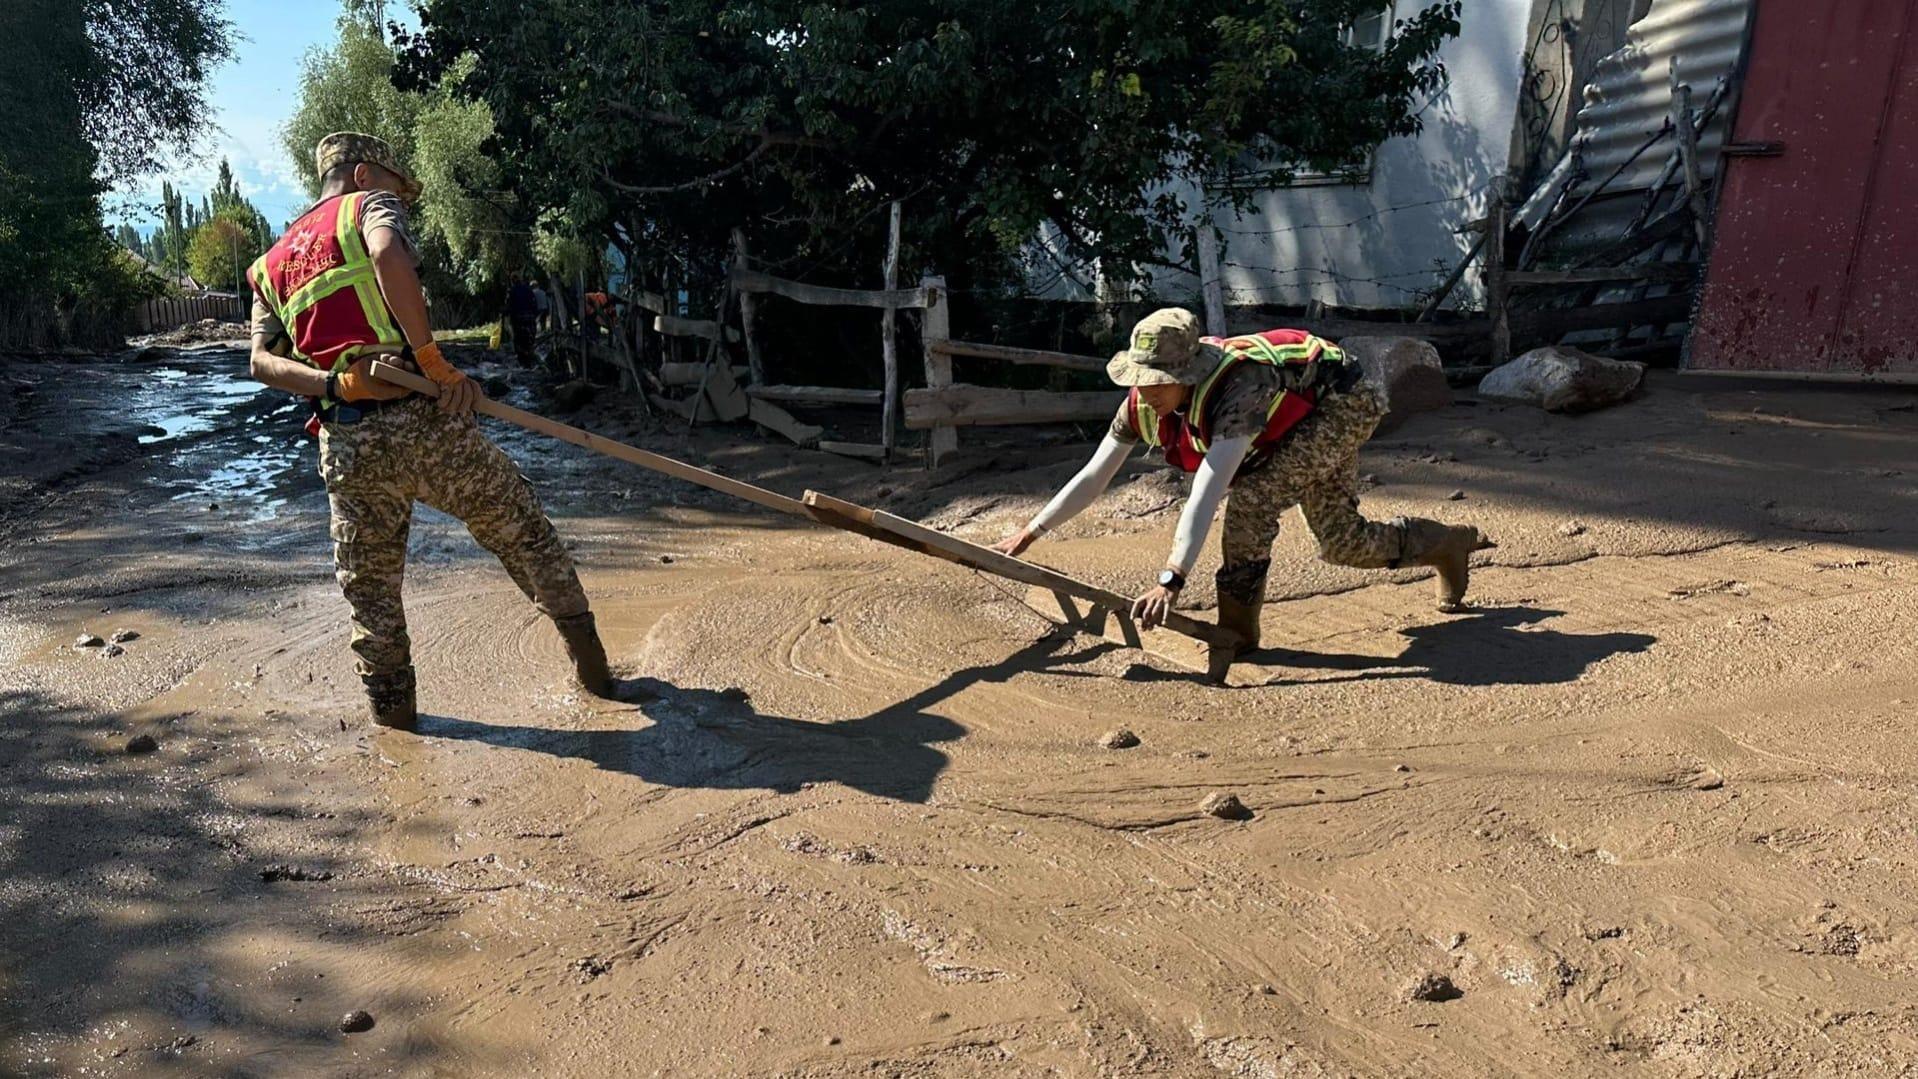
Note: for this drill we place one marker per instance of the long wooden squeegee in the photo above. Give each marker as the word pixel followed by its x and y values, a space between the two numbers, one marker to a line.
pixel 1065 600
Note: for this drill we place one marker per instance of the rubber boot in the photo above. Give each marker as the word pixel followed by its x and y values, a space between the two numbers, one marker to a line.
pixel 581 635
pixel 1447 549
pixel 1242 618
pixel 390 698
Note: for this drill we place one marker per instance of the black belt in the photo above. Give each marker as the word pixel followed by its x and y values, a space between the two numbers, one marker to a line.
pixel 354 411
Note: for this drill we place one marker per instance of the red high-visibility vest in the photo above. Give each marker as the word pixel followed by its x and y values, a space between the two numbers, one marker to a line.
pixel 318 278
pixel 1184 436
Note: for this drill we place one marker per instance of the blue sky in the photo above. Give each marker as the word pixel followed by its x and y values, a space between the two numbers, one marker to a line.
pixel 252 96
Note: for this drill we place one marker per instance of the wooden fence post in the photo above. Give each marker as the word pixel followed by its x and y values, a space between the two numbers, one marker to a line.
pixel 1497 293
pixel 888 343
pixel 1210 287
pixel 943 440
pixel 747 314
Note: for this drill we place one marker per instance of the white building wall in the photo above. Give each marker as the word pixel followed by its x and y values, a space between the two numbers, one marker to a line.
pixel 1377 244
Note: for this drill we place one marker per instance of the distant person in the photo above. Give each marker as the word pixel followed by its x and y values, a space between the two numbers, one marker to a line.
pixel 339 288
pixel 1278 417
pixel 545 303
pixel 522 314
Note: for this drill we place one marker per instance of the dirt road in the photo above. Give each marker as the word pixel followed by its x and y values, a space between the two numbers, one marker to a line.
pixel 1648 811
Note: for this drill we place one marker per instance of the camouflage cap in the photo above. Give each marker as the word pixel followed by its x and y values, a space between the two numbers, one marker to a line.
pixel 1165 350
pixel 351 146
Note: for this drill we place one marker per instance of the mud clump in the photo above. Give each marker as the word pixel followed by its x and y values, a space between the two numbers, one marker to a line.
pixel 141 743
pixel 1225 806
pixel 356 1022
pixel 281 872
pixel 88 640
pixel 122 636
pixel 1431 987
pixel 1118 739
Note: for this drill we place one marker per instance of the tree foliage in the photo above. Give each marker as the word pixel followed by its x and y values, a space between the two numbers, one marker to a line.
pixel 468 226
pixel 95 92
pixel 666 123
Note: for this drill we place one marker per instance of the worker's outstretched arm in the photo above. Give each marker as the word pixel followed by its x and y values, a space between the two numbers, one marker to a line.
pixel 1209 488
pixel 400 285
pixel 1081 491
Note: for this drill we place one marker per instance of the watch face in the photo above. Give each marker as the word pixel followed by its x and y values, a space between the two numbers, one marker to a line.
pixel 1168 578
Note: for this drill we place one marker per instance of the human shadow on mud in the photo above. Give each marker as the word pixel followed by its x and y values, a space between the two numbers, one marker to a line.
pixel 1491 647
pixel 1494 646
pixel 715 740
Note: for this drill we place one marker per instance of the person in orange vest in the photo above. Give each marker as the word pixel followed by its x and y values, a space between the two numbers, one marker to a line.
pixel 338 289
pixel 1275 417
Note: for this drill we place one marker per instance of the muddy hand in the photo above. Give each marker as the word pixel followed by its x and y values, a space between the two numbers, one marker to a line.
pixel 1015 544
pixel 1150 609
pixel 458 398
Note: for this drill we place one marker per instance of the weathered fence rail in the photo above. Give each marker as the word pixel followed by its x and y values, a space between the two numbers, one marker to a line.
pixel 172 312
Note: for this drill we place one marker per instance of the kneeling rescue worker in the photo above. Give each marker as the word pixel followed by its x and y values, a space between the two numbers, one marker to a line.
pixel 340 288
pixel 1278 417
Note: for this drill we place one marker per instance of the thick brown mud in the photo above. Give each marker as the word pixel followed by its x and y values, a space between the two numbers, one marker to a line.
pixel 1647 810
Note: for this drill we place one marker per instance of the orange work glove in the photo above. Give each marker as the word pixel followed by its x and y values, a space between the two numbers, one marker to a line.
pixel 458 394
pixel 357 383
pixel 434 366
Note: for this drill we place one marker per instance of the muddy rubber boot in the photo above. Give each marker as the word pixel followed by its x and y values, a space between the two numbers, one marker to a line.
pixel 589 656
pixel 1242 618
pixel 390 698
pixel 1447 549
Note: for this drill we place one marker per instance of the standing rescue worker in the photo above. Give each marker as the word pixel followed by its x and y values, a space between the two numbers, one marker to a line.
pixel 340 288
pixel 1278 417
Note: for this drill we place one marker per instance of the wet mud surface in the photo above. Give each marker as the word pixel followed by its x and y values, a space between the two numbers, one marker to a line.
pixel 1647 810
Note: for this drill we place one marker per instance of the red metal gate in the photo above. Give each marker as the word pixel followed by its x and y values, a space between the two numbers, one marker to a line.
pixel 1812 262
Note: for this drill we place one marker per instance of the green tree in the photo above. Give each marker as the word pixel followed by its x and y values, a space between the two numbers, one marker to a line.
pixel 667 123
pixel 100 89
pixel 220 251
pixel 470 228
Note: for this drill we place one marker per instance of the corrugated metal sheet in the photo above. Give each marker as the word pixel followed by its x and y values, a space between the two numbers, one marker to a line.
pixel 1811 268
pixel 1630 97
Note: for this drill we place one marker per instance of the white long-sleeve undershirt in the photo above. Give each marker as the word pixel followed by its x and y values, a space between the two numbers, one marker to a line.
pixel 1209 488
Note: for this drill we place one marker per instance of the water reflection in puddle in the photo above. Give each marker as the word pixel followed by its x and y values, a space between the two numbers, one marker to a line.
pixel 240 438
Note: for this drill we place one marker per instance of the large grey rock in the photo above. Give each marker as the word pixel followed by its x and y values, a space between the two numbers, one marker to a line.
pixel 1407 369
pixel 1558 378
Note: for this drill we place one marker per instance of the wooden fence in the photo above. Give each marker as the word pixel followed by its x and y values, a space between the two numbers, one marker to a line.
pixel 171 313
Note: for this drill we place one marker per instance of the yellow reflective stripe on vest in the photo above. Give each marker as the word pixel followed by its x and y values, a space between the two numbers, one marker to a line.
pixel 1148 423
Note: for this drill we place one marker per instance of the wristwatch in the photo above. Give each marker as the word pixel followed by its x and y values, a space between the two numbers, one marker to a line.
pixel 1171 578
pixel 333 387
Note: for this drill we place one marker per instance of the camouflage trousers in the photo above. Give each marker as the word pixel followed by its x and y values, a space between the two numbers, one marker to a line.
pixel 1315 468
pixel 377 468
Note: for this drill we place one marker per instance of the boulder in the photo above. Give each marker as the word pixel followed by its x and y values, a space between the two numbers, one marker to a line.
pixel 1558 378
pixel 1407 369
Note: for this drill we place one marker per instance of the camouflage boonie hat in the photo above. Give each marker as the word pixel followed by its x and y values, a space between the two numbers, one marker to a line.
pixel 352 146
pixel 1165 351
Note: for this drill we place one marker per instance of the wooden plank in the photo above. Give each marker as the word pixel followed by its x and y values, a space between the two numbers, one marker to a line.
pixel 1211 288
pixel 816 395
pixel 689 374
pixel 979 406
pixel 704 328
pixel 888 343
pixel 728 399
pixel 712 481
pixel 1553 324
pixel 1498 299
pixel 748 313
pixel 937 327
pixel 917 537
pixel 1104 622
pixel 1648 272
pixel 746 280
pixel 1682 120
pixel 778 420
pixel 1034 357
pixel 864 450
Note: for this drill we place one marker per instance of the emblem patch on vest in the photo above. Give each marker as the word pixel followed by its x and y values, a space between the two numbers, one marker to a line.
pixel 309 255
